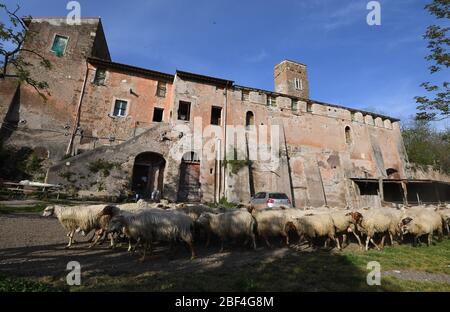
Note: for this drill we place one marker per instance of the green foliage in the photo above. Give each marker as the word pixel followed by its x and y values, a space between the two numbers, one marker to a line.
pixel 223 203
pixel 437 106
pixel 21 285
pixel 19 164
pixel 102 165
pixel 426 146
pixel 234 164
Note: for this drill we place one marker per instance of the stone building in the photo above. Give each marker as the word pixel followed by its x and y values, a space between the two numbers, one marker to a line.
pixel 111 129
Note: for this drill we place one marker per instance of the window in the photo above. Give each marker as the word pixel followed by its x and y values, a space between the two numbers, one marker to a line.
pixel 100 76
pixel 249 119
pixel 184 111
pixel 120 108
pixel 294 104
pixel 271 101
pixel 348 135
pixel 309 107
pixel 216 114
pixel 161 89
pixel 260 195
pixel 298 84
pixel 59 45
pixel 245 95
pixel 158 114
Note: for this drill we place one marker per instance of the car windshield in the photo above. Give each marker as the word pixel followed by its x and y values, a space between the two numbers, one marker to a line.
pixel 278 196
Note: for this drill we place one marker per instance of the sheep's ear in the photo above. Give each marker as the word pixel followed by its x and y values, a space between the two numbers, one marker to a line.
pixel 407 220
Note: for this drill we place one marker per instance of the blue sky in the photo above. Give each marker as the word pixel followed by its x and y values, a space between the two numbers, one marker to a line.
pixel 349 63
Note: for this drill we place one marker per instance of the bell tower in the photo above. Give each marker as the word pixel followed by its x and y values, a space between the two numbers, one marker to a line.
pixel 291 79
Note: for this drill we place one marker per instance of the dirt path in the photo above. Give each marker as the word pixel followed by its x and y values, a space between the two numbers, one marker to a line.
pixel 418 276
pixel 31 245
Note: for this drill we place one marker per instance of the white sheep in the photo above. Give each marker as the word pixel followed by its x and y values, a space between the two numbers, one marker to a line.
pixel 272 223
pixel 229 225
pixel 73 218
pixel 445 215
pixel 375 221
pixel 342 221
pixel 317 225
pixel 424 223
pixel 153 225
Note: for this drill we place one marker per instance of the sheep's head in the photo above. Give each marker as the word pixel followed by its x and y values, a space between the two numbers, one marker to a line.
pixel 48 211
pixel 405 225
pixel 355 216
pixel 204 219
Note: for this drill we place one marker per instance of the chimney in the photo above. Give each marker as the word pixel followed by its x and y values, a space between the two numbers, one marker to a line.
pixel 291 79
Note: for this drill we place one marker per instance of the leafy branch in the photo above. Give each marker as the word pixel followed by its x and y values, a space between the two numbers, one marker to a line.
pixel 13 63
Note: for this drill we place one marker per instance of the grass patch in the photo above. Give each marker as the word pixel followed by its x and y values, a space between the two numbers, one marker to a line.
pixel 8 284
pixel 27 209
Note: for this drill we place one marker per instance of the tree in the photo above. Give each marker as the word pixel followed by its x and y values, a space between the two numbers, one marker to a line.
pixel 436 107
pixel 12 61
pixel 426 146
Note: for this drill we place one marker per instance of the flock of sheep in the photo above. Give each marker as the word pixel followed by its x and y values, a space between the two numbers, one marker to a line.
pixel 144 224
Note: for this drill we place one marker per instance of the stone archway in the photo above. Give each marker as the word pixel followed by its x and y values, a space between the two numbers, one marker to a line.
pixel 148 174
pixel 189 186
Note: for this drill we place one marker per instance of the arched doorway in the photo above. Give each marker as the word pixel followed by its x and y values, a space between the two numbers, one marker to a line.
pixel 189 188
pixel 148 174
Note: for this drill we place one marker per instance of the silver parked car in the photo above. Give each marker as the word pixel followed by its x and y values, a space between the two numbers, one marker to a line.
pixel 270 199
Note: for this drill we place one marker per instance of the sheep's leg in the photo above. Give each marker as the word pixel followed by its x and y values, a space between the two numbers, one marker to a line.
pixel 326 242
pixel 285 237
pixel 191 248
pixel 358 239
pixel 92 238
pixel 367 242
pixel 266 239
pixel 138 242
pixel 373 242
pixel 145 250
pixel 382 241
pixel 337 242
pixel 71 233
pixel 208 240
pixel 430 239
pixel 344 240
pixel 111 237
pixel 253 238
pixel 129 244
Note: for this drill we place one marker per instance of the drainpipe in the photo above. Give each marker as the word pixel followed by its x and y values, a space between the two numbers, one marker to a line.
pixel 77 119
pixel 225 140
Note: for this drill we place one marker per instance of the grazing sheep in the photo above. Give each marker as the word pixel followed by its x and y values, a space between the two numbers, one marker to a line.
pixel 229 225
pixel 73 218
pixel 445 215
pixel 317 225
pixel 425 223
pixel 153 225
pixel 272 223
pixel 373 221
pixel 343 224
